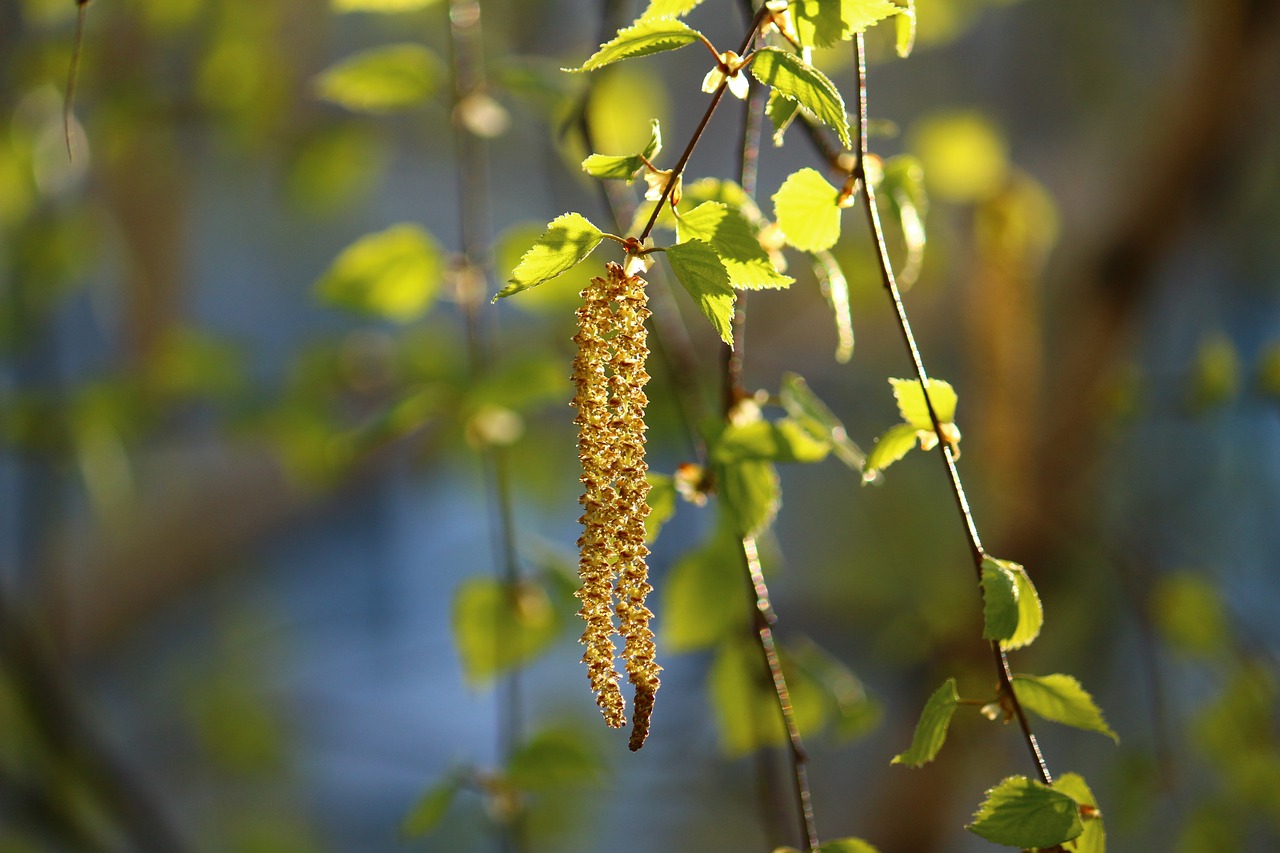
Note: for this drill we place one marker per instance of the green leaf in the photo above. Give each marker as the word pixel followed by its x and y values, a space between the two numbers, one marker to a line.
pixel 846 845
pixel 697 266
pixel 662 504
pixel 781 441
pixel 644 38
pixel 854 713
pixel 669 8
pixel 394 274
pixel 1020 812
pixel 1030 613
pixel 903 192
pixel 622 167
pixel 905 27
pixel 704 597
pixel 745 705
pixel 835 287
pixel 800 81
pixel 1189 614
pixel 568 240
pixel 889 448
pixel 911 403
pixel 430 808
pixel 381 6
pixel 733 239
pixel 1094 837
pixel 382 79
pixel 496 628
pixel 822 23
pixel 551 759
pixel 781 111
pixel 999 601
pixel 931 731
pixel 751 494
pixel 811 413
pixel 1060 698
pixel 806 211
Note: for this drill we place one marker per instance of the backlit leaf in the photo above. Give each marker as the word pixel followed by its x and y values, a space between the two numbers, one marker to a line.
pixel 727 232
pixel 806 211
pixel 381 79
pixel 912 406
pixel 835 287
pixel 704 596
pixel 496 627
pixel 793 77
pixel 669 8
pixel 811 413
pixel 624 167
pixel 1030 612
pixel 1060 698
pixel 394 274
pixel 999 600
pixel 751 493
pixel 662 504
pixel 551 759
pixel 781 111
pixel 644 38
pixel 1094 837
pixel 905 27
pixel 430 808
pixel 889 448
pixel 745 705
pixel 1020 812
pixel 568 240
pixel 931 731
pixel 697 266
pixel 775 441
pixel 846 845
pixel 822 23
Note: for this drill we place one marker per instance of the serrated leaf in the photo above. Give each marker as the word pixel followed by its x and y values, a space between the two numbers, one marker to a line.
pixel 551 759
pixel 999 601
pixel 697 266
pixel 568 240
pixel 806 211
pixel 496 628
pixel 382 79
pixel 889 448
pixel 735 242
pixel 662 504
pixel 846 845
pixel 744 702
pixel 429 809
pixel 931 731
pixel 751 494
pixel 704 595
pixel 1020 812
pixel 669 8
pixel 784 440
pixel 811 413
pixel 381 6
pixel 782 111
pixel 644 38
pixel 1094 837
pixel 821 23
pixel 912 406
pixel 835 287
pixel 625 167
pixel 1030 612
pixel 793 77
pixel 394 274
pixel 905 29
pixel 1060 698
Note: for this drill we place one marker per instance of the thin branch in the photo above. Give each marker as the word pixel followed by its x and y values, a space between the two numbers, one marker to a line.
pixel 944 447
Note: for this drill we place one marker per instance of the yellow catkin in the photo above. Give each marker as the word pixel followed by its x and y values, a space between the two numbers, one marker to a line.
pixel 609 375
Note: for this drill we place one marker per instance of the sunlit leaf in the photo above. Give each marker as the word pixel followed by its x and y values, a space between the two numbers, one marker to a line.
pixel 751 493
pixel 662 504
pixel 559 301
pixel 430 808
pixel 1060 698
pixel 726 231
pixel 931 731
pixel 781 111
pixel 394 274
pixel 697 266
pixel 822 23
pixel 811 413
pixel 965 158
pixel 497 627
pixel 1020 812
pixel 905 27
pixel 806 211
pixel 745 704
pixel 643 38
pixel 999 601
pixel 1030 611
pixel 912 406
pixel 793 77
pixel 704 596
pixel 903 191
pixel 854 713
pixel 1094 837
pixel 553 758
pixel 846 845
pixel 669 8
pixel 889 448
pixel 624 167
pixel 383 6
pixel 381 79
pixel 784 440
pixel 568 240
pixel 835 287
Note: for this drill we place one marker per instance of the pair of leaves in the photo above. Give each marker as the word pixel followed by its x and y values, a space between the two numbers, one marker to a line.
pixel 1011 609
pixel 1021 812
pixel 917 425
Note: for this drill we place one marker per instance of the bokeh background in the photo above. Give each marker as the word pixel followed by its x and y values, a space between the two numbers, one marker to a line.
pixel 247 512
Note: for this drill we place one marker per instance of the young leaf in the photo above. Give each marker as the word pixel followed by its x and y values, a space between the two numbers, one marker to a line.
pixel 568 240
pixel 644 38
pixel 553 758
pixel 727 232
pixel 822 23
pixel 662 504
pixel 1094 837
pixel 999 601
pixel 623 167
pixel 774 441
pixel 836 288
pixel 381 79
pixel 1020 812
pixel 703 596
pixel 394 274
pixel 697 266
pixel 931 731
pixel 496 627
pixel 796 79
pixel 745 705
pixel 1060 698
pixel 911 403
pixel 1030 613
pixel 889 448
pixel 846 845
pixel 781 111
pixel 806 211
pixel 812 414
pixel 750 493
pixel 669 8
pixel 905 26
pixel 429 809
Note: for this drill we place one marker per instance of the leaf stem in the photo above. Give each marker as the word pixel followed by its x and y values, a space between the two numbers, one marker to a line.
pixel 944 448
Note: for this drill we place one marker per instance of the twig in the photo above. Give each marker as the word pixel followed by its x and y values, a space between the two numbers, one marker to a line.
pixel 944 447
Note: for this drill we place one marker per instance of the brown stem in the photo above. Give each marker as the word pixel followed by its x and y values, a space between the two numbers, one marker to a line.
pixel 944 448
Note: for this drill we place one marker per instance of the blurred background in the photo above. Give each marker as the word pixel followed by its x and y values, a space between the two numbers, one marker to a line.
pixel 267 451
